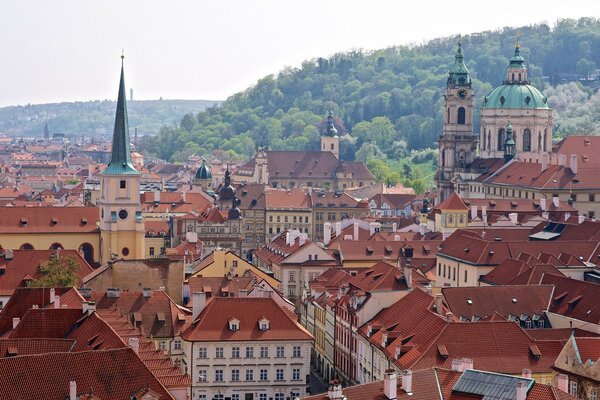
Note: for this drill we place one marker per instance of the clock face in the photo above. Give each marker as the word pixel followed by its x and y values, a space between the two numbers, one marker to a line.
pixel 462 93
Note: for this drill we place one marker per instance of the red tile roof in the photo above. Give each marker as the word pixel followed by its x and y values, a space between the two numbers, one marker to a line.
pixel 110 374
pixel 212 323
pixel 290 199
pixel 22 347
pixel 454 202
pixel 574 298
pixel 483 301
pixel 53 323
pixel 41 220
pixel 27 263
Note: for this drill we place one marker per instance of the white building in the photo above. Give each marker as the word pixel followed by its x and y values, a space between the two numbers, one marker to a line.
pixel 246 349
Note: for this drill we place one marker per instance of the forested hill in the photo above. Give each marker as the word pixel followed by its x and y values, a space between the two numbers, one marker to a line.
pixel 93 118
pixel 389 101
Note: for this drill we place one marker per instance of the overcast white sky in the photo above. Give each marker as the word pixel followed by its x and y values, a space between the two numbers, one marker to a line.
pixel 68 50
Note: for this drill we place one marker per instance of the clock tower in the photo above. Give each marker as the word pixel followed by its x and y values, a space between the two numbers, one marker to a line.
pixel 121 225
pixel 457 143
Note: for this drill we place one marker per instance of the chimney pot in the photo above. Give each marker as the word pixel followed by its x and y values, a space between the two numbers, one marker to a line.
pixel 16 321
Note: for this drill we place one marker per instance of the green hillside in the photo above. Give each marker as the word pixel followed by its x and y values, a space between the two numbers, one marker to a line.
pixel 94 118
pixel 388 101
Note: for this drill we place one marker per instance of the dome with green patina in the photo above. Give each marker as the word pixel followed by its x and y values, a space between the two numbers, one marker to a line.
pixel 516 96
pixel 203 172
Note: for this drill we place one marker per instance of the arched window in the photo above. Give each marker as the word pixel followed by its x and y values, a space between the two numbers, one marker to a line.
pixel 448 116
pixel 519 76
pixel 489 140
pixel 526 140
pixel 56 246
pixel 26 246
pixel 443 158
pixel 539 148
pixel 461 116
pixel 513 76
pixel 500 145
pixel 483 143
pixel 87 250
pixel 545 138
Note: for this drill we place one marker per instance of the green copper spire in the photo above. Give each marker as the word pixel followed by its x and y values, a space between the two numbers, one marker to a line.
pixel 459 73
pixel 120 158
pixel 517 60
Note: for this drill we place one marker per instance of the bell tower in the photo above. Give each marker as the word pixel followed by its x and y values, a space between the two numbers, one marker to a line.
pixel 457 143
pixel 331 141
pixel 121 225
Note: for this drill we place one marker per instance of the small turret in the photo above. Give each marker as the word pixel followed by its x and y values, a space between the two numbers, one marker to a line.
pixel 509 144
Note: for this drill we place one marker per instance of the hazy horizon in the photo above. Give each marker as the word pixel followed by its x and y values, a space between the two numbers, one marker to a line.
pixel 66 50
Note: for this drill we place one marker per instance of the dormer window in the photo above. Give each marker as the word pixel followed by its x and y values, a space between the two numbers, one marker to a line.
pixel 264 324
pixel 234 324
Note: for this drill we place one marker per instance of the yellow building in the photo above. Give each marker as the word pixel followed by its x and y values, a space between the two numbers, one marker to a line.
pixel 450 215
pixel 287 209
pixel 226 263
pixel 121 224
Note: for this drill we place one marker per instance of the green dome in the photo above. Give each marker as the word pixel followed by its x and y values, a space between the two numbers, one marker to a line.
pixel 516 96
pixel 203 172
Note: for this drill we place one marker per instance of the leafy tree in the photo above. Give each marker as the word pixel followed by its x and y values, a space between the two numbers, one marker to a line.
pixel 57 272
pixel 369 151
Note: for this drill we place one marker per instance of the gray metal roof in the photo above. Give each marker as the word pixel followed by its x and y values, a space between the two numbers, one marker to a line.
pixel 490 385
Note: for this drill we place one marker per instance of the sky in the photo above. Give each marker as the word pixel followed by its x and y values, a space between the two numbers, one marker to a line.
pixel 69 50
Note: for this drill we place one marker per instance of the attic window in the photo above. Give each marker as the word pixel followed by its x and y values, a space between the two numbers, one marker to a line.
pixel 264 324
pixel 514 300
pixel 573 302
pixel 491 252
pixel 558 298
pixel 234 324
pixel 137 318
pixel 535 352
pixel 161 317
pixel 514 204
pixel 442 351
pixel 469 301
pixel 369 250
pixel 23 221
pixel 54 221
pixel 84 221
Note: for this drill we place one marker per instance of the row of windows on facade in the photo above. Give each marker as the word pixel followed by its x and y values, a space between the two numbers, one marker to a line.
pixel 442 272
pixel 278 229
pixel 152 251
pixel 236 396
pixel 264 352
pixel 286 219
pixel 263 375
pixel 252 239
pixel 190 228
pixel 501 138
pixel 573 388
pixel 331 216
pixel 311 275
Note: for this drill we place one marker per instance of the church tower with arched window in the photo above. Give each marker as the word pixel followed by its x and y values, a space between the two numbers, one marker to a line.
pixel 121 224
pixel 457 143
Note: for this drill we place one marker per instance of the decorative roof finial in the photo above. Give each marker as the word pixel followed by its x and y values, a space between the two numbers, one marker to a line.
pixel 518 46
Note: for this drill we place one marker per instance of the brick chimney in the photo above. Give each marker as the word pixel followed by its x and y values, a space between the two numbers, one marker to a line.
pixel 438 303
pixel 390 382
pixel 326 233
pixel 134 343
pixel 198 304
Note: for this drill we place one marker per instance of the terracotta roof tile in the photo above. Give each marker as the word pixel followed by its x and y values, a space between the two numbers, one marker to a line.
pixel 40 219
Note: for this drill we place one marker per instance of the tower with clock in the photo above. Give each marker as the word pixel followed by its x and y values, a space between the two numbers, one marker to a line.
pixel 122 232
pixel 457 143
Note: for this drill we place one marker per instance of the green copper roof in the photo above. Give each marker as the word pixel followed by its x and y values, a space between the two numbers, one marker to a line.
pixel 516 60
pixel 516 96
pixel 120 158
pixel 203 172
pixel 459 73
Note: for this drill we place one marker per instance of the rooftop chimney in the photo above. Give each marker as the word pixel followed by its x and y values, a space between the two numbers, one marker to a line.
pixel 407 381
pixel 562 383
pixel 457 365
pixel 562 160
pixel 526 373
pixel 438 303
pixel 52 295
pixel 134 343
pixel 88 307
pixel 356 231
pixel 287 239
pixel 384 337
pixel 373 227
pixel 449 316
pixel 394 227
pixel 326 233
pixel 338 228
pixel 72 390
pixel 544 161
pixel 555 201
pixel 580 218
pixel 574 163
pixel 408 274
pixel 513 218
pixel 56 301
pixel 16 321
pixel 396 238
pixel 334 392
pixel 473 212
pixel 113 292
pixel 543 204
pixel 466 363
pixel 389 384
pixel 198 304
pixel 521 390
pixel 157 196
pixel 545 215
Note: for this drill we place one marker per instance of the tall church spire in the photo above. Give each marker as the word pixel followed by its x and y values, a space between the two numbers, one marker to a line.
pixel 120 158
